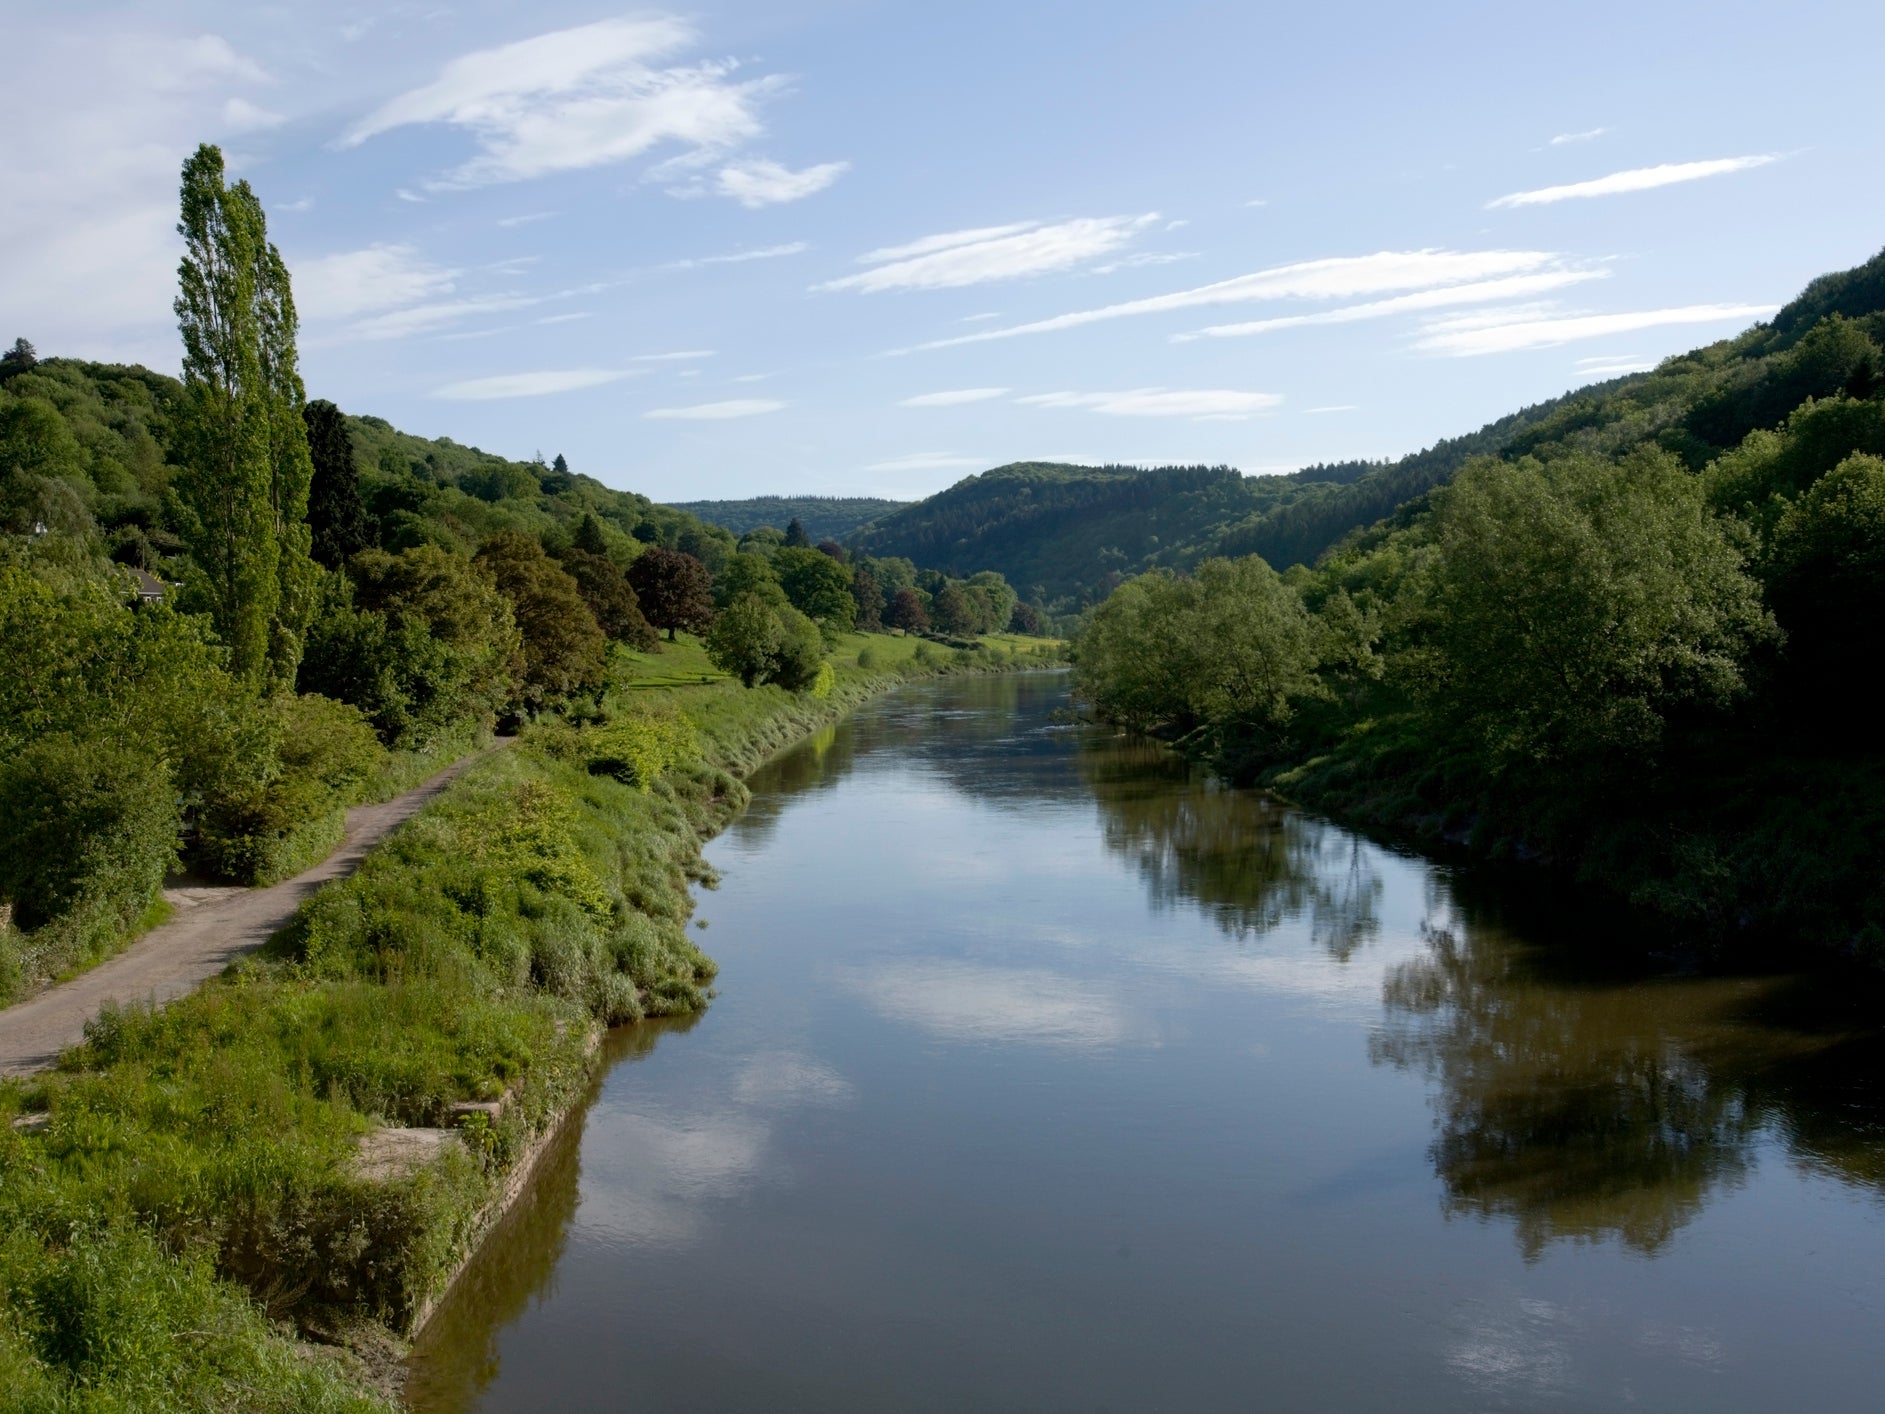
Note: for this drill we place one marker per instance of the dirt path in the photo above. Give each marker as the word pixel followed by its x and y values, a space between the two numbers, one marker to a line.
pixel 210 928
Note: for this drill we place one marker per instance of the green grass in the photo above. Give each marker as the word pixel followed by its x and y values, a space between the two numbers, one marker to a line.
pixel 185 1202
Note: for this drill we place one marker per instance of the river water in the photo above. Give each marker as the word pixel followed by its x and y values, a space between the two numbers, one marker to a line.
pixel 1046 1075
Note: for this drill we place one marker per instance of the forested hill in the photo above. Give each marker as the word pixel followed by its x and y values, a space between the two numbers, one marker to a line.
pixel 1633 642
pixel 104 465
pixel 823 517
pixel 1065 535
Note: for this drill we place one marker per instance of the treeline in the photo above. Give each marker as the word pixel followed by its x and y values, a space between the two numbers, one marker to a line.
pixel 1632 644
pixel 228 612
pixel 823 517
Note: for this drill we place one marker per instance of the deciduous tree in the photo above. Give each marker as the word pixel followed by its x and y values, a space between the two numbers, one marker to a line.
pixel 675 590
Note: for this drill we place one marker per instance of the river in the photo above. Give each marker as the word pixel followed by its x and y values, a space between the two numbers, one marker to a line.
pixel 1045 1074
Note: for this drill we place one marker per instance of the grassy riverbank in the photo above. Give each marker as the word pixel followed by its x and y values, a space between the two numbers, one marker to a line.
pixel 182 1197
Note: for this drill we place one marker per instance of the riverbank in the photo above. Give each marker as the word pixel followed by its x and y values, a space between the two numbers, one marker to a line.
pixel 184 1200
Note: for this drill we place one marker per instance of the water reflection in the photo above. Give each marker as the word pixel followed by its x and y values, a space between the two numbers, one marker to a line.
pixel 988 1116
pixel 1611 1105
pixel 455 1355
pixel 1250 863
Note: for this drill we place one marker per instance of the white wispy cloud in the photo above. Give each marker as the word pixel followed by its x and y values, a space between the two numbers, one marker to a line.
pixel 353 282
pixel 1469 336
pixel 528 218
pixel 1613 367
pixel 1636 179
pixel 1479 291
pixel 1333 407
pixel 1143 258
pixel 1204 404
pixel 990 253
pixel 241 116
pixel 756 182
pixel 1338 277
pixel 927 461
pixel 425 318
pixel 952 397
pixel 578 98
pixel 565 318
pixel 740 257
pixel 678 356
pixel 716 412
pixel 1587 135
pixel 529 385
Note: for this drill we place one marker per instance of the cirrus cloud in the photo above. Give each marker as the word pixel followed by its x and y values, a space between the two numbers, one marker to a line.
pixel 1511 332
pixel 529 385
pixel 927 461
pixel 1201 404
pixel 717 412
pixel 952 397
pixel 991 253
pixel 1337 277
pixel 1636 179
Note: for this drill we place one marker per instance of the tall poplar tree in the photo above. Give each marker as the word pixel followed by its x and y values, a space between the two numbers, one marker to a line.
pixel 243 443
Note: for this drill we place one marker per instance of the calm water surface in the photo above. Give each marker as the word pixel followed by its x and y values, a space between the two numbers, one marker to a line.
pixel 1046 1075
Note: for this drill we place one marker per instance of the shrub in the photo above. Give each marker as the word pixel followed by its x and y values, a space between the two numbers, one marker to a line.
pixel 275 828
pixel 92 825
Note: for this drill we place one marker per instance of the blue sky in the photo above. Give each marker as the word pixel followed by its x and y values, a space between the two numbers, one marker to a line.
pixel 845 247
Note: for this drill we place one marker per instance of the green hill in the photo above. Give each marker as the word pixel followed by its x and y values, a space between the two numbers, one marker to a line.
pixel 1632 642
pixel 104 466
pixel 824 517
pixel 1065 534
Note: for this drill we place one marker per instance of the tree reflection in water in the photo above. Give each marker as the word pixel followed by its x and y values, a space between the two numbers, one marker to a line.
pixel 1248 862
pixel 1612 1107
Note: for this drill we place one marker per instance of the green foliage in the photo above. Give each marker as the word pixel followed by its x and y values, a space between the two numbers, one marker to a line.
pixel 327 753
pixel 1231 644
pixel 336 517
pixel 92 828
pixel 422 642
pixel 563 647
pixel 1577 603
pixel 759 642
pixel 610 597
pixel 747 572
pixel 818 586
pixel 242 440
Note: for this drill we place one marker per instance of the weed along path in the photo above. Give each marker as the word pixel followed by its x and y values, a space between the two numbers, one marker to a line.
pixel 211 928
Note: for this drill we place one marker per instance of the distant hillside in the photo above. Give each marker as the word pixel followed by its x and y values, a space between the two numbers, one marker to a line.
pixel 108 464
pixel 1064 535
pixel 824 517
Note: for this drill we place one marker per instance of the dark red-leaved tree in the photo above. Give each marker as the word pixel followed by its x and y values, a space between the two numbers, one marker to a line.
pixel 907 612
pixel 674 589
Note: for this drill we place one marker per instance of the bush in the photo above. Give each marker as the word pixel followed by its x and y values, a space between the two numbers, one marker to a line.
pixel 92 826
pixel 760 643
pixel 327 753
